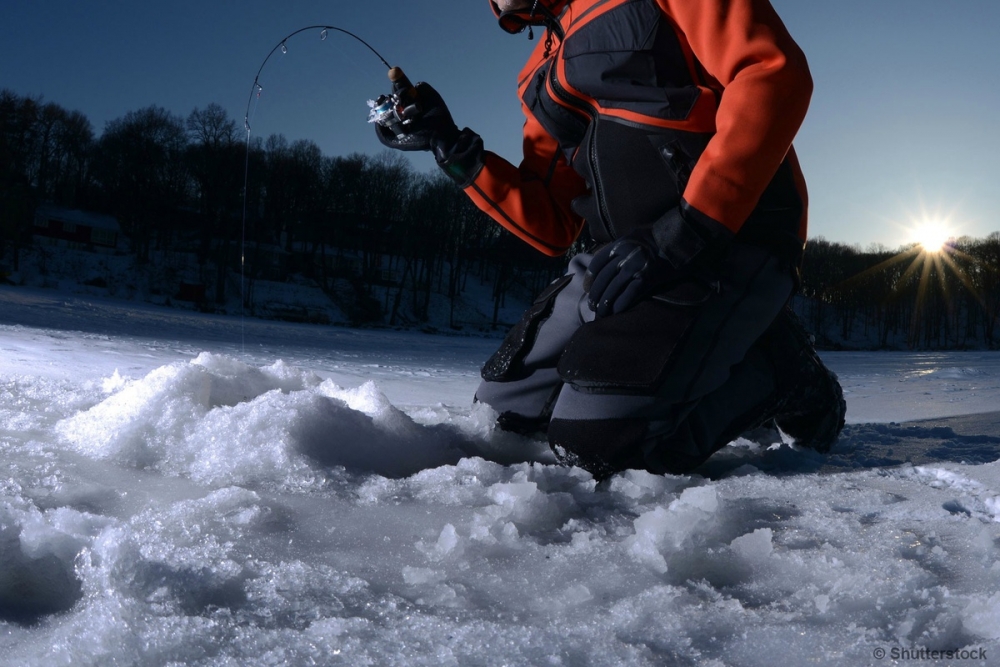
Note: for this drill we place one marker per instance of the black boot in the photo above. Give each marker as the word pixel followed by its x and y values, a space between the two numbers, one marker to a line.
pixel 811 404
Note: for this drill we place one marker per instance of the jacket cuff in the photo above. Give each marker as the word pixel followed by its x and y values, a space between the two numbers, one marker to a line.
pixel 461 159
pixel 684 234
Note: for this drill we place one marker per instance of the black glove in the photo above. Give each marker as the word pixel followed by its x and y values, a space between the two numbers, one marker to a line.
pixel 647 259
pixel 457 152
pixel 433 122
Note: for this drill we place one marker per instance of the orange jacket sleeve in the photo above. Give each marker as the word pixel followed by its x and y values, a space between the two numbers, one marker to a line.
pixel 744 46
pixel 532 200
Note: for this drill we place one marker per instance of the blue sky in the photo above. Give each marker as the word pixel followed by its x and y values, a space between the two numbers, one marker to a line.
pixel 903 122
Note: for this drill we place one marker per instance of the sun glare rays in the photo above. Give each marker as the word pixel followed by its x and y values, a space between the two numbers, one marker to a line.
pixel 931 260
pixel 927 225
pixel 932 235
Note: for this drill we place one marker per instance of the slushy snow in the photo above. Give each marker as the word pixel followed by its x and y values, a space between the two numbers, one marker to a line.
pixel 188 490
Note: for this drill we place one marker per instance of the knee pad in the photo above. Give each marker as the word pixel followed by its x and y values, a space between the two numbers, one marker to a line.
pixel 630 352
pixel 506 364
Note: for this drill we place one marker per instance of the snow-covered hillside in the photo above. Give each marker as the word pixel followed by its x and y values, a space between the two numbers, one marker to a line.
pixel 176 278
pixel 182 489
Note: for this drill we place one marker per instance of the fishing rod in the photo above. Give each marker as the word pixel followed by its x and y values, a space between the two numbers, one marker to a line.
pixel 282 46
pixel 394 111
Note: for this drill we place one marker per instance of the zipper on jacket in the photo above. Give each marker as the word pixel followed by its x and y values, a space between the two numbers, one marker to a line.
pixel 591 112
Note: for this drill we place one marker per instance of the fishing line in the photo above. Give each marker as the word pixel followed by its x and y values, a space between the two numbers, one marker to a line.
pixel 255 90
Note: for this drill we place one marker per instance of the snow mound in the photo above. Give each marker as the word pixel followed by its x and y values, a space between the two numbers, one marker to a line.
pixel 222 422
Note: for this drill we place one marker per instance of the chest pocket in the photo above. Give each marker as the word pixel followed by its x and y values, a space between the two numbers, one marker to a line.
pixel 630 58
pixel 567 127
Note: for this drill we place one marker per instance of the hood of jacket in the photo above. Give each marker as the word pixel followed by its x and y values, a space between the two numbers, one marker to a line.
pixel 543 14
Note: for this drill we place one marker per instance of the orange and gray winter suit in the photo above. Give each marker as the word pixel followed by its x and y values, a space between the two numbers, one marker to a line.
pixel 635 104
pixel 635 108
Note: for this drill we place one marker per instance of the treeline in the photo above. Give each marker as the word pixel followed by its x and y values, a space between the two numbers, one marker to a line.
pixel 177 184
pixel 903 299
pixel 395 237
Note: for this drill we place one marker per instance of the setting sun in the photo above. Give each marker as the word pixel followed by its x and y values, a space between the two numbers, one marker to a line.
pixel 932 235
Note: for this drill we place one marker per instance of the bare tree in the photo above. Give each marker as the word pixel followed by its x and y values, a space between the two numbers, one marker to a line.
pixel 142 172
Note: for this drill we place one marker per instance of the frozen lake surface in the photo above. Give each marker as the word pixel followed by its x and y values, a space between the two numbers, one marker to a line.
pixel 182 489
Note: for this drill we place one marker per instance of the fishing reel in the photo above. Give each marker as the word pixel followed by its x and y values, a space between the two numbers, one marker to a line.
pixel 398 109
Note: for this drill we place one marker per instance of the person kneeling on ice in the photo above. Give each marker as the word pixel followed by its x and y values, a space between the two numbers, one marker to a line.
pixel 666 127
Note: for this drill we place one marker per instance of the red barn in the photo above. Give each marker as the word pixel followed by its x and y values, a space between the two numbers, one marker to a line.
pixel 76 229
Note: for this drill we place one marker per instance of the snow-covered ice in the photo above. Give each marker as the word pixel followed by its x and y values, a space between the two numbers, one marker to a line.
pixel 179 489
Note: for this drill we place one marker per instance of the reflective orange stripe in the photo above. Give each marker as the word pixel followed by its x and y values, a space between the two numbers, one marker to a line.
pixel 702 116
